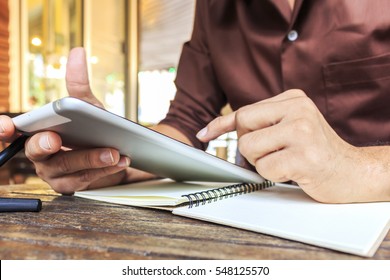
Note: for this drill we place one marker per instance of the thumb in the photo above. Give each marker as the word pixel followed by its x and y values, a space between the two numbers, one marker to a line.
pixel 77 81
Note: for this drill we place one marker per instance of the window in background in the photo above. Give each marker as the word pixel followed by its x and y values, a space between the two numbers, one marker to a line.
pixel 164 27
pixel 105 37
pixel 50 28
pixel 53 28
pixel 122 53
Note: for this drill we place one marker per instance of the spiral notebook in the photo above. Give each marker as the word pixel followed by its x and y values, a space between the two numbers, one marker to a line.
pixel 275 209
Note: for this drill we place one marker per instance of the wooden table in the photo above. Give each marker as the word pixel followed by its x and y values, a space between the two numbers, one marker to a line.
pixel 74 228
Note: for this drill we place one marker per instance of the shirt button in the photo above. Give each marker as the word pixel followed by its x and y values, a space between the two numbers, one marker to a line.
pixel 292 35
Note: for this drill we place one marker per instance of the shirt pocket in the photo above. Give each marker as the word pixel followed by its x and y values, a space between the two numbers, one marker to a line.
pixel 359 71
pixel 358 98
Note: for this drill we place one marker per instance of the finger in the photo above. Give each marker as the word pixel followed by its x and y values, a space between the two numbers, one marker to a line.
pixel 77 81
pixel 90 179
pixel 251 117
pixel 259 143
pixel 70 162
pixel 115 178
pixel 217 127
pixel 288 94
pixel 42 145
pixel 277 166
pixel 266 114
pixel 7 128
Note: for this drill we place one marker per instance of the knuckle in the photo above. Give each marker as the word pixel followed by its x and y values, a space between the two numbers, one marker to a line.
pixel 306 106
pixel 91 175
pixel 29 150
pixel 240 115
pixel 263 168
pixel 218 121
pixel 39 172
pixel 244 145
pixel 299 93
pixel 85 176
pixel 63 163
pixel 88 159
pixel 303 127
pixel 272 170
pixel 241 121
pixel 42 170
pixel 294 93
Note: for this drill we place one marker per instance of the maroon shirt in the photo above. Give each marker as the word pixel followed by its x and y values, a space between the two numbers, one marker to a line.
pixel 243 51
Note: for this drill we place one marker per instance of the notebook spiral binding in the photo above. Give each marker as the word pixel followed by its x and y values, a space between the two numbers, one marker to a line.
pixel 195 199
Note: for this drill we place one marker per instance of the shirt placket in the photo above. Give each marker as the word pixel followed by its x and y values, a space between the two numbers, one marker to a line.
pixel 287 49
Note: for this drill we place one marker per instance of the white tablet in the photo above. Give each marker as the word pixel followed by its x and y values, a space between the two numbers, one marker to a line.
pixel 83 125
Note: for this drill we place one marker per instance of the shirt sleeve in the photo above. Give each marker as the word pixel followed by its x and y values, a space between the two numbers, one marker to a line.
pixel 199 98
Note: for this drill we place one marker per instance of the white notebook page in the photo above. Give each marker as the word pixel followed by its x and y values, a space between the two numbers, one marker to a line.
pixel 289 213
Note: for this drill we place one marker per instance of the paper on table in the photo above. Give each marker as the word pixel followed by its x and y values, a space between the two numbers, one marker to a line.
pixel 288 212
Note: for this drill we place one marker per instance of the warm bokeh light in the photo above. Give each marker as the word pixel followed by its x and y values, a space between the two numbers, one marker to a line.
pixel 36 41
pixel 94 59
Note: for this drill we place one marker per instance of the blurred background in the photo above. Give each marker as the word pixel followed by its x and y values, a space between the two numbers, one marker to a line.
pixel 133 48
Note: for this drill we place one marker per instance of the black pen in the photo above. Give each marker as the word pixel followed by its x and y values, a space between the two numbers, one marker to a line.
pixel 12 149
pixel 17 204
pixel 20 205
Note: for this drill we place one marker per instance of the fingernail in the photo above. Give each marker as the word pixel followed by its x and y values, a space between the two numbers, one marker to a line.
pixel 44 143
pixel 202 133
pixel 107 157
pixel 124 162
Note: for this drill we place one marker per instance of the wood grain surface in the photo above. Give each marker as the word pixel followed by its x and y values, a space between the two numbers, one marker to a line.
pixel 74 228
